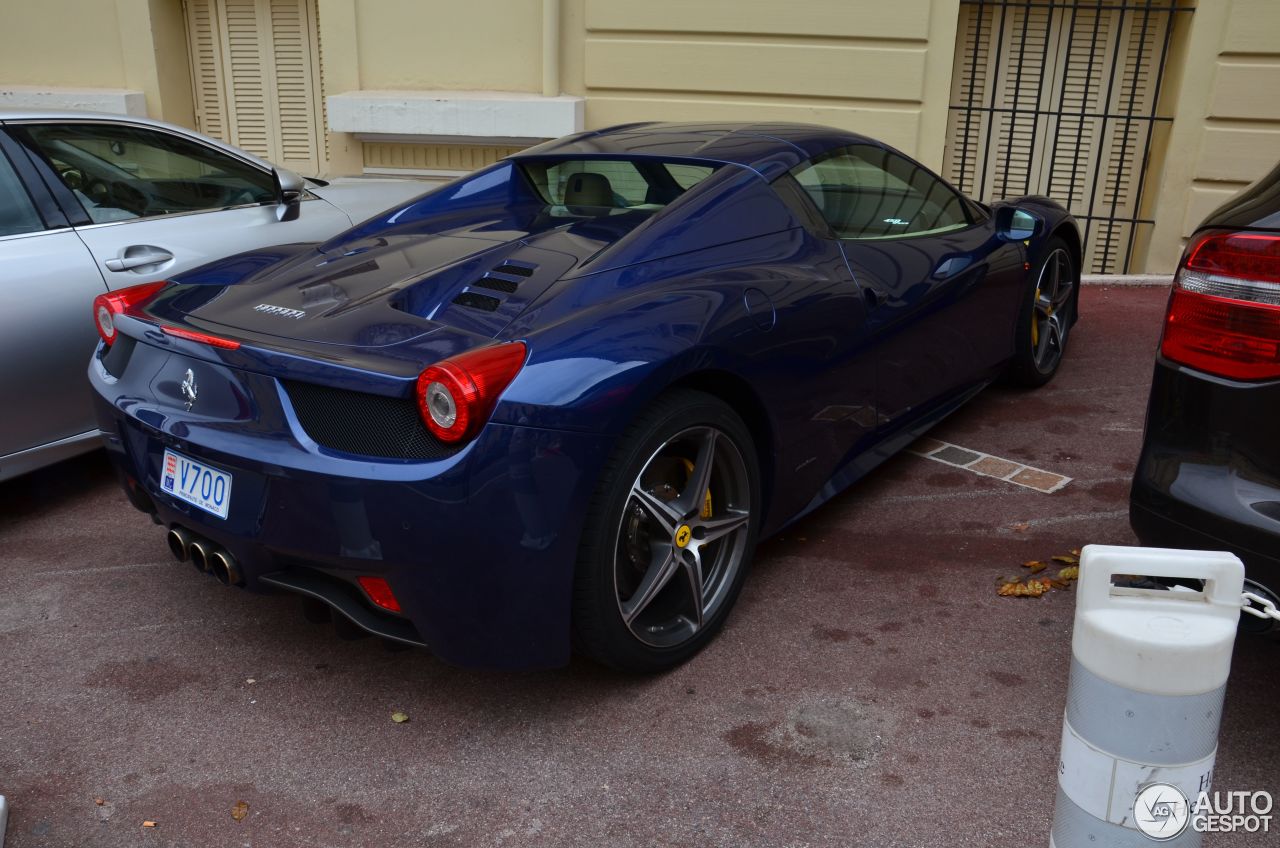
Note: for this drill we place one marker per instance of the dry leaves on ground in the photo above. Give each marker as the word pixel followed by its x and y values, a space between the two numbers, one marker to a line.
pixel 399 717
pixel 1034 586
pixel 239 811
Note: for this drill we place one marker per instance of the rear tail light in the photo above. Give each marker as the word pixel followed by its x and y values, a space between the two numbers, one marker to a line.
pixel 379 591
pixel 1224 312
pixel 203 338
pixel 456 396
pixel 123 301
pixel 107 306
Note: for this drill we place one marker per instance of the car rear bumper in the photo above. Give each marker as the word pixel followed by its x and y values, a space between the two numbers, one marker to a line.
pixel 1207 477
pixel 478 547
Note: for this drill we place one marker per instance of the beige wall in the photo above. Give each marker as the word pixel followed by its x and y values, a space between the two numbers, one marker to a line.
pixel 1226 130
pixel 879 68
pixel 138 44
pixel 448 44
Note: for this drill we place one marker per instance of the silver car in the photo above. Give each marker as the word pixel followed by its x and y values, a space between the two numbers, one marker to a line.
pixel 92 202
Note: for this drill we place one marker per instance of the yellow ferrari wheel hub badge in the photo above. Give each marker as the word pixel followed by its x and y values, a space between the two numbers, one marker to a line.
pixel 683 535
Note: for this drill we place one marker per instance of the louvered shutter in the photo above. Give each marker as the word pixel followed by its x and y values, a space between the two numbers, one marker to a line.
pixel 267 72
pixel 1060 100
pixel 204 45
pixel 296 65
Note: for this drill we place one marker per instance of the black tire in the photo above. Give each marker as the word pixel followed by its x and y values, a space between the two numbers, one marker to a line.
pixel 627 539
pixel 1036 356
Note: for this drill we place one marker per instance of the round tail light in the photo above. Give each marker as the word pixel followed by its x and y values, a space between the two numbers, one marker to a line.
pixel 457 396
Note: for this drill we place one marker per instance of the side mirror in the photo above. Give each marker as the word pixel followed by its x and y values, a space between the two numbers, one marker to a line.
pixel 289 191
pixel 1014 224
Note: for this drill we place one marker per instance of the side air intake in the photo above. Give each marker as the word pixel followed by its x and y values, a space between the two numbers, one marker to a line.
pixel 474 300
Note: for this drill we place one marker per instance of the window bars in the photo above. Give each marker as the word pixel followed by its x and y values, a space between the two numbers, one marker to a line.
pixel 1062 99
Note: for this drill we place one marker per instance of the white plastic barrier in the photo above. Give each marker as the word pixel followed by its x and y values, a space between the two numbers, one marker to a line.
pixel 1148 672
pixel 4 817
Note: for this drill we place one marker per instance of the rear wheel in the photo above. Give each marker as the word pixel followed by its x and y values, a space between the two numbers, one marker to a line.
pixel 669 535
pixel 1044 322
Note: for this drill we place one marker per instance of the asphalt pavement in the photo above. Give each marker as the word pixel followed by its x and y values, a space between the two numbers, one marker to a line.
pixel 870 689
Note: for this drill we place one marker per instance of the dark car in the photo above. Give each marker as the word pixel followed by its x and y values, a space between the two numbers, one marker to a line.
pixel 558 401
pixel 1209 474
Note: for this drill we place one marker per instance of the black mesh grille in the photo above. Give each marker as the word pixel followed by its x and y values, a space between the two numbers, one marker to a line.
pixel 497 284
pixel 518 270
pixel 370 425
pixel 478 301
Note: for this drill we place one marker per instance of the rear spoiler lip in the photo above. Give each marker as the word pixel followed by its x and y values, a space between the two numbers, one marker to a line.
pixel 391 371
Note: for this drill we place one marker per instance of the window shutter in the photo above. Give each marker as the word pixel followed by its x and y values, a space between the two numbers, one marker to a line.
pixel 204 45
pixel 258 61
pixel 297 97
pixel 246 73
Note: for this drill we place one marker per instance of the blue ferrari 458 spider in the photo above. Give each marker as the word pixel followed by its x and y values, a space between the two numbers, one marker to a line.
pixel 557 402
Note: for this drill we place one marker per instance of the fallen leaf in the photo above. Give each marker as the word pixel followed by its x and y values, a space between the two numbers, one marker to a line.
pixel 1008 578
pixel 399 717
pixel 1071 572
pixel 1067 558
pixel 1030 563
pixel 1030 589
pixel 1020 527
pixel 149 823
pixel 99 801
pixel 1039 567
pixel 239 811
pixel 1075 552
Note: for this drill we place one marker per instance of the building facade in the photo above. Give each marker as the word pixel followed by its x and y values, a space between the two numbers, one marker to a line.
pixel 1140 115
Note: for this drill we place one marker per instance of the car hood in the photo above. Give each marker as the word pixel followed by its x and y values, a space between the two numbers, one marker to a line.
pixel 390 287
pixel 363 197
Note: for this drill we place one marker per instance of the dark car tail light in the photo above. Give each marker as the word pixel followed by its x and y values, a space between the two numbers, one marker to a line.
pixel 107 306
pixel 456 396
pixel 1224 312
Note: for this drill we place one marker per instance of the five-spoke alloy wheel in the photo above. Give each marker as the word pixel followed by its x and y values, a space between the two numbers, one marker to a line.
pixel 669 536
pixel 1046 318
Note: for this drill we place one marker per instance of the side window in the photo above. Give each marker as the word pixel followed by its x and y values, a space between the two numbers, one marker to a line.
pixel 17 213
pixel 867 192
pixel 120 173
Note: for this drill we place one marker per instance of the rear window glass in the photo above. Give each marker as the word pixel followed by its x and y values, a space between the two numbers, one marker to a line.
pixel 602 186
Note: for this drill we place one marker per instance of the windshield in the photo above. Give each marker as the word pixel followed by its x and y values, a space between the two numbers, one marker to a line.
pixel 595 187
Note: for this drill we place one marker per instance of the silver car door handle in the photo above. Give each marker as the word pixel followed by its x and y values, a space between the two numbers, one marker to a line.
pixel 137 260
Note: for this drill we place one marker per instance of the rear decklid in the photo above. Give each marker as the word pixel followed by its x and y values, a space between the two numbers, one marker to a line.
pixel 390 286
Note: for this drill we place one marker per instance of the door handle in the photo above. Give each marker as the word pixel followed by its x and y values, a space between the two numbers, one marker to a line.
pixel 138 256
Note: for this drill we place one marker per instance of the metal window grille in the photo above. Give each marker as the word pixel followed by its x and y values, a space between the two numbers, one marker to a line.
pixel 1062 99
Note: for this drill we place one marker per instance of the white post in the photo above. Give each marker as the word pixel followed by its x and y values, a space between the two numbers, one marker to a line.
pixel 1148 672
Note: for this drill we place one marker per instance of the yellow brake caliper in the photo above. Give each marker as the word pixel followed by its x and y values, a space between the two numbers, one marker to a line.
pixel 706 501
pixel 1035 329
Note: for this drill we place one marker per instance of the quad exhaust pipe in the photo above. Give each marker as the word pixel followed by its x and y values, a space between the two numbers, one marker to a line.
pixel 204 555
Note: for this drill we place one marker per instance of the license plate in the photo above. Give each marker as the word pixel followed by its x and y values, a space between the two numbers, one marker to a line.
pixel 196 483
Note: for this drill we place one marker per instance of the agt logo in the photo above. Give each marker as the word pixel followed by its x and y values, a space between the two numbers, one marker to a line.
pixel 1162 812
